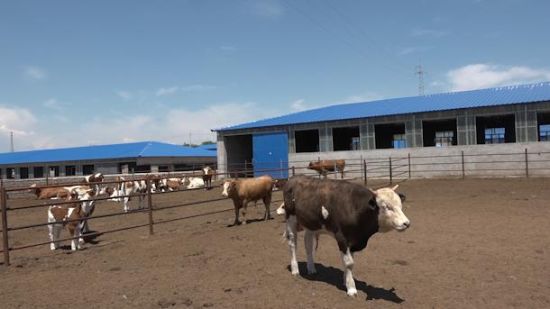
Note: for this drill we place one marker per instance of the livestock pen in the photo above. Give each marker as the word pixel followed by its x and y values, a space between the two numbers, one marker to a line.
pixel 473 242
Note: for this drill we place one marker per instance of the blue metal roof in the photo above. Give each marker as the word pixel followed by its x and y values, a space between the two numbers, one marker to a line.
pixel 99 152
pixel 427 103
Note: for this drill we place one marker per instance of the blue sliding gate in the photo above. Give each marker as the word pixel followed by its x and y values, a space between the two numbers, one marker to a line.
pixel 270 154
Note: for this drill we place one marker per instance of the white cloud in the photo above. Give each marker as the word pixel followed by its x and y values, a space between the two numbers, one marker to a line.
pixel 197 87
pixel 419 32
pixel 189 88
pixel 20 121
pixel 413 49
pixel 172 125
pixel 54 104
pixel 166 91
pixel 34 72
pixel 267 8
pixel 476 76
pixel 298 105
pixel 125 95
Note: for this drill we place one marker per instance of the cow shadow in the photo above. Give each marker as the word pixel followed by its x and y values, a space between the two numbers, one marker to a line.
pixel 335 277
pixel 250 221
pixel 91 236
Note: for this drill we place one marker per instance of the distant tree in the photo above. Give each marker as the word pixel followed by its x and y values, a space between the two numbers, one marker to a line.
pixel 208 143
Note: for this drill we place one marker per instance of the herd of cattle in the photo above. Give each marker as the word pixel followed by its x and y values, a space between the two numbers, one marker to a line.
pixel 349 212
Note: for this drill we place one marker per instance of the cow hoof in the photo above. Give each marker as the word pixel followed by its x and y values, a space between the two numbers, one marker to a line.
pixel 352 292
pixel 311 271
pixel 295 272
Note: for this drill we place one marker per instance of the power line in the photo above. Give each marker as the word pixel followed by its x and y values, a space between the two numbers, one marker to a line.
pixel 350 44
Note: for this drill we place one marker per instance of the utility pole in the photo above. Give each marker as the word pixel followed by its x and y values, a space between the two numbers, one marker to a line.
pixel 420 72
pixel 11 141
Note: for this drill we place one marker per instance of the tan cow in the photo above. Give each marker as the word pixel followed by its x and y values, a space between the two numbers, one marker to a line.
pixel 243 191
pixel 324 166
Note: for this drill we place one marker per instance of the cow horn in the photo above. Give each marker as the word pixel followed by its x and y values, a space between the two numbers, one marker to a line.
pixel 395 187
pixel 372 191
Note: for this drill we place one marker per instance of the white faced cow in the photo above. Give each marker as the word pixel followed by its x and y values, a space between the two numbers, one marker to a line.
pixel 349 212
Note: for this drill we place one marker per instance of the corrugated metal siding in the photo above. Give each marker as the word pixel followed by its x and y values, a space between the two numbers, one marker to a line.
pixel 100 152
pixel 437 102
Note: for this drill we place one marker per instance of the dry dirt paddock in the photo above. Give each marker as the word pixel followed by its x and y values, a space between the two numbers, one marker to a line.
pixel 472 244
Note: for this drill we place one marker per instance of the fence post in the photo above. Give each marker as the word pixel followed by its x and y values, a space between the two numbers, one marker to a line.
pixel 335 170
pixel 293 171
pixel 5 242
pixel 463 170
pixel 391 174
pixel 150 206
pixel 365 172
pixel 409 159
pixel 526 164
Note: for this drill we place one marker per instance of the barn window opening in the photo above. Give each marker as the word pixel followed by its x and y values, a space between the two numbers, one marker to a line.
pixel 494 135
pixel 70 170
pixel 10 173
pixel 543 126
pixel 24 172
pixel 345 138
pixel 399 141
pixel 88 169
pixel 38 172
pixel 390 136
pixel 544 132
pixel 444 138
pixel 307 140
pixel 54 171
pixel 143 169
pixel 164 168
pixel 496 129
pixel 439 133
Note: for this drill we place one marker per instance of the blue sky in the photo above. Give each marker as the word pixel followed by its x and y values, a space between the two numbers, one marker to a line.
pixel 97 72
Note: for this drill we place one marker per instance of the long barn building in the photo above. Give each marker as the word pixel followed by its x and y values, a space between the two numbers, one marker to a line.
pixel 127 158
pixel 510 119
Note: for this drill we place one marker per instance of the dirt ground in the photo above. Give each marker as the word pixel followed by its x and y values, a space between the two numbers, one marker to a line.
pixel 477 243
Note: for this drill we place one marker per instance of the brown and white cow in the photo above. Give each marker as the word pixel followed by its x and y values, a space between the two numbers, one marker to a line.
pixel 243 191
pixel 207 174
pixel 49 193
pixel 349 212
pixel 95 180
pixel 171 184
pixel 125 190
pixel 325 166
pixel 69 216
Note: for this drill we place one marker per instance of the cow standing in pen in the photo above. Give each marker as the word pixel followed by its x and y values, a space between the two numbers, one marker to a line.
pixel 325 166
pixel 68 216
pixel 95 181
pixel 207 174
pixel 347 211
pixel 244 191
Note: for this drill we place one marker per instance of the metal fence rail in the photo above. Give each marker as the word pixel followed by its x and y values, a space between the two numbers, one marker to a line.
pixel 389 170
